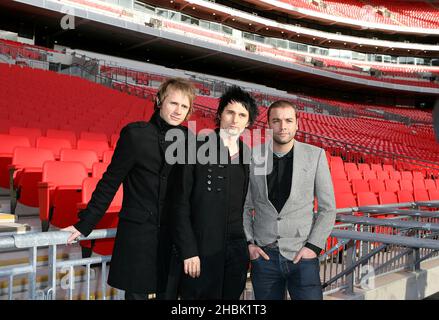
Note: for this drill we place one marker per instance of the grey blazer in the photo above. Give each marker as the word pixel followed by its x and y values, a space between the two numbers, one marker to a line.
pixel 297 223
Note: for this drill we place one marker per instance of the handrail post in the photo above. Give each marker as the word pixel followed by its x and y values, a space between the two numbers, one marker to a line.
pixel 350 260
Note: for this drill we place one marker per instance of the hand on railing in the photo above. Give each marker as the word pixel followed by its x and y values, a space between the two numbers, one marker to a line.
pixel 74 234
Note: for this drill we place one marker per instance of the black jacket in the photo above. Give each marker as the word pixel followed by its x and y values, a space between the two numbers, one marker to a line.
pixel 200 198
pixel 138 162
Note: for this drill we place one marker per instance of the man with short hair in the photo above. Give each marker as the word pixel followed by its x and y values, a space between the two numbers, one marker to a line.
pixel 284 235
pixel 138 264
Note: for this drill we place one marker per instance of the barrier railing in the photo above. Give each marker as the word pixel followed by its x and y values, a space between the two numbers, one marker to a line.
pixel 361 247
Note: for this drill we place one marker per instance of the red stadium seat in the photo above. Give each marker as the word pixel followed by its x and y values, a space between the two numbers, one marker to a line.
pixel 62 134
pixel 395 175
pixel 54 144
pixel 345 200
pixel 109 220
pixel 406 185
pixel 405 196
pixel 354 175
pixel 430 184
pixel 360 186
pixel 26 171
pixel 93 136
pixel 376 167
pixel 7 145
pixel 382 175
pixel 349 166
pixel 107 156
pixel 342 186
pixel 99 169
pixel 363 167
pixel 31 133
pixel 98 146
pixel 338 175
pixel 421 195
pixel 418 175
pixel 366 199
pixel 114 139
pixel 406 175
pixel 392 185
pixel 59 192
pixel 369 174
pixel 419 184
pixel 377 185
pixel 86 157
pixel 433 194
pixel 387 197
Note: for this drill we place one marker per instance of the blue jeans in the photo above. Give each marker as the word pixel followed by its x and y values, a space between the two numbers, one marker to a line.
pixel 270 278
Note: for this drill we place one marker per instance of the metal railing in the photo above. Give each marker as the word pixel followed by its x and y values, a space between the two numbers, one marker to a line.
pixel 36 241
pixel 364 246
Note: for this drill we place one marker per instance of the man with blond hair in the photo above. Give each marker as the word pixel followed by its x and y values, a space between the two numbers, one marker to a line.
pixel 139 255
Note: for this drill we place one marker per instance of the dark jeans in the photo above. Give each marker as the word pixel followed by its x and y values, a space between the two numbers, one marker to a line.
pixel 271 278
pixel 223 276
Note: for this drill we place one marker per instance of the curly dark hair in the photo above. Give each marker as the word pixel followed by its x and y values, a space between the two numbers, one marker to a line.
pixel 236 94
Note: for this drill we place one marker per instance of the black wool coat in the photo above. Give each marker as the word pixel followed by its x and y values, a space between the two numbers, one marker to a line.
pixel 138 162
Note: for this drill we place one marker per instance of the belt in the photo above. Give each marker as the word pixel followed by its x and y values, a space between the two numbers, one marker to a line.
pixel 273 245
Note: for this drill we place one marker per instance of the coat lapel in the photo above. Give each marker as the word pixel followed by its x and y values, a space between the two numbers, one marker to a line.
pixel 299 166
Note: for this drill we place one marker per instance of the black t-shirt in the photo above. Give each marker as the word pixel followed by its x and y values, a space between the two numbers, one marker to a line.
pixel 279 180
pixel 237 181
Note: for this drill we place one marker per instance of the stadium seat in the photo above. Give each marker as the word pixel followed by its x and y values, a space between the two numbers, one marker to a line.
pixel 107 156
pixel 369 174
pixel 62 134
pixel 376 167
pixel 405 196
pixel 93 136
pixel 360 186
pixel 345 200
pixel 382 175
pixel 363 167
pixel 406 185
pixel 395 175
pixel 388 167
pixel 54 144
pixel 114 139
pixel 366 199
pixel 433 194
pixel 419 184
pixel 59 192
pixel 417 175
pixel 98 146
pixel 338 175
pixel 387 197
pixel 99 169
pixel 349 166
pixel 406 175
pixel 341 186
pixel 86 157
pixel 31 133
pixel 377 185
pixel 25 172
pixel 354 175
pixel 421 195
pixel 7 145
pixel 109 220
pixel 392 185
pixel 430 184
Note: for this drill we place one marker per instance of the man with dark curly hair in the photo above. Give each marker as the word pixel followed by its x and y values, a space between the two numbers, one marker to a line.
pixel 208 206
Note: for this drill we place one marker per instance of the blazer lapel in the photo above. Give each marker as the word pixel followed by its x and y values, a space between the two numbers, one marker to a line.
pixel 298 168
